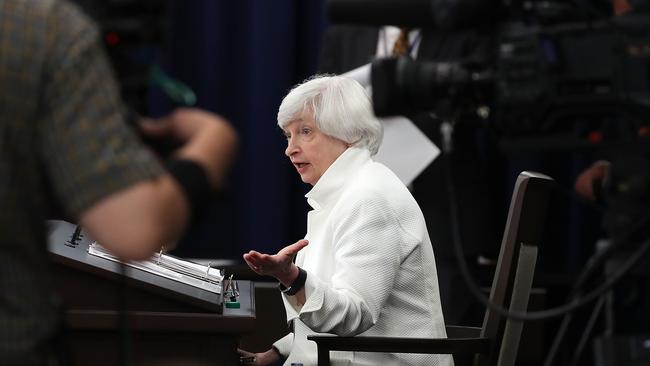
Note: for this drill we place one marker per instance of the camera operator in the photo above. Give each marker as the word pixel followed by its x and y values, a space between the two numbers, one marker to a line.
pixel 477 169
pixel 64 142
pixel 622 183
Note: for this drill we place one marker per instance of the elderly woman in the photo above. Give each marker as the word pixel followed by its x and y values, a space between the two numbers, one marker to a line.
pixel 366 265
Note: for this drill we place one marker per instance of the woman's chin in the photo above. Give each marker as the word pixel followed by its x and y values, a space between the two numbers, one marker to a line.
pixel 307 179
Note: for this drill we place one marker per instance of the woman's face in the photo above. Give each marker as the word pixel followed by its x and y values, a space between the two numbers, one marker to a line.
pixel 311 152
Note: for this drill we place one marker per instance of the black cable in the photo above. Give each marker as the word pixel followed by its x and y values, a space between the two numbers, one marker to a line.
pixel 594 262
pixel 446 130
pixel 587 332
pixel 599 257
pixel 555 346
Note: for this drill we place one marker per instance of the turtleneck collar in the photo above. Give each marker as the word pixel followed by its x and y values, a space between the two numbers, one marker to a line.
pixel 336 176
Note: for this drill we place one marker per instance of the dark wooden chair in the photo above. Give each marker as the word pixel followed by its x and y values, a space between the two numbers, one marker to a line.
pixel 497 341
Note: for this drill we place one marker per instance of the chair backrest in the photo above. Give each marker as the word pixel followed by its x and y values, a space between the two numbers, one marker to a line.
pixel 518 303
pixel 523 231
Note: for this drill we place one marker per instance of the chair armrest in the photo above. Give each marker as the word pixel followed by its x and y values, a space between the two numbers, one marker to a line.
pixel 456 331
pixel 327 343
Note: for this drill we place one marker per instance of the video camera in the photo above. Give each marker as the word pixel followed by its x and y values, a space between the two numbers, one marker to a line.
pixel 552 61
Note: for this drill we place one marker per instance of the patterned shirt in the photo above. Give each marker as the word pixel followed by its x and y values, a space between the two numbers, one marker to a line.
pixel 64 142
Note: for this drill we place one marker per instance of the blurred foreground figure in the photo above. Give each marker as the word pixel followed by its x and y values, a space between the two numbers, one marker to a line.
pixel 64 143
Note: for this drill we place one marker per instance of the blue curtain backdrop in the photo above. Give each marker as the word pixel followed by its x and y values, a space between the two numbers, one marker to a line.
pixel 241 58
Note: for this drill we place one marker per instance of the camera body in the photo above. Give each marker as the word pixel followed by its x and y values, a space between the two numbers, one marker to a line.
pixel 548 75
pixel 551 63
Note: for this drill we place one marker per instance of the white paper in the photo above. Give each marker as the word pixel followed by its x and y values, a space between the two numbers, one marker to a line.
pixel 360 74
pixel 176 269
pixel 209 282
pixel 405 149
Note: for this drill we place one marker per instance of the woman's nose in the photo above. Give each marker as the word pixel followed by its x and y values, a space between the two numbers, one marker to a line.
pixel 291 148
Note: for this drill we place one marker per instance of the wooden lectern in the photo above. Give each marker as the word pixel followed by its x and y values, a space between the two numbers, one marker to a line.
pixel 166 322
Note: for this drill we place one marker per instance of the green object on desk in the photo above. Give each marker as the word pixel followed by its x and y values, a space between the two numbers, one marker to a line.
pixel 233 304
pixel 174 89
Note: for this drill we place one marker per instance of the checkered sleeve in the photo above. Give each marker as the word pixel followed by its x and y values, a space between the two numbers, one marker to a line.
pixel 88 149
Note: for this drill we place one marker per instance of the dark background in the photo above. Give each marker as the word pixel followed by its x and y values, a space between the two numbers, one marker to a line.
pixel 240 58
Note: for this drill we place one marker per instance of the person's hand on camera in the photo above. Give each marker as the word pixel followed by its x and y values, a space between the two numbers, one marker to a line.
pixel 258 359
pixel 205 137
pixel 278 265
pixel 590 181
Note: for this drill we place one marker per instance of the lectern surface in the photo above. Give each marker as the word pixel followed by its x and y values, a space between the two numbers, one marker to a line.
pixel 167 322
pixel 68 247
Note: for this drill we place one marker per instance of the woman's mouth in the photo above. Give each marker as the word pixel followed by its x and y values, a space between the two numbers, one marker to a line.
pixel 300 166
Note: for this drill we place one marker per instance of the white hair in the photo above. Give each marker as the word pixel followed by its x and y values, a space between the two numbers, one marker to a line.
pixel 341 109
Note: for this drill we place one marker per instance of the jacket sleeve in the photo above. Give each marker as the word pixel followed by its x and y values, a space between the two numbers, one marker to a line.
pixel 284 345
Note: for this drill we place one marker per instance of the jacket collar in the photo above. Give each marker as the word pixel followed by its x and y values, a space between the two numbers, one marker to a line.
pixel 342 170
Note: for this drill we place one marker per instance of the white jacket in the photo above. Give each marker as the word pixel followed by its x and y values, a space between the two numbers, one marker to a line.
pixel 370 266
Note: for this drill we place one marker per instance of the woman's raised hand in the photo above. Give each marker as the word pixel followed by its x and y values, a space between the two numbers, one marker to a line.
pixel 278 265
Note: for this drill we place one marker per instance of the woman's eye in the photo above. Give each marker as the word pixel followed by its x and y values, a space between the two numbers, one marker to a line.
pixel 306 131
